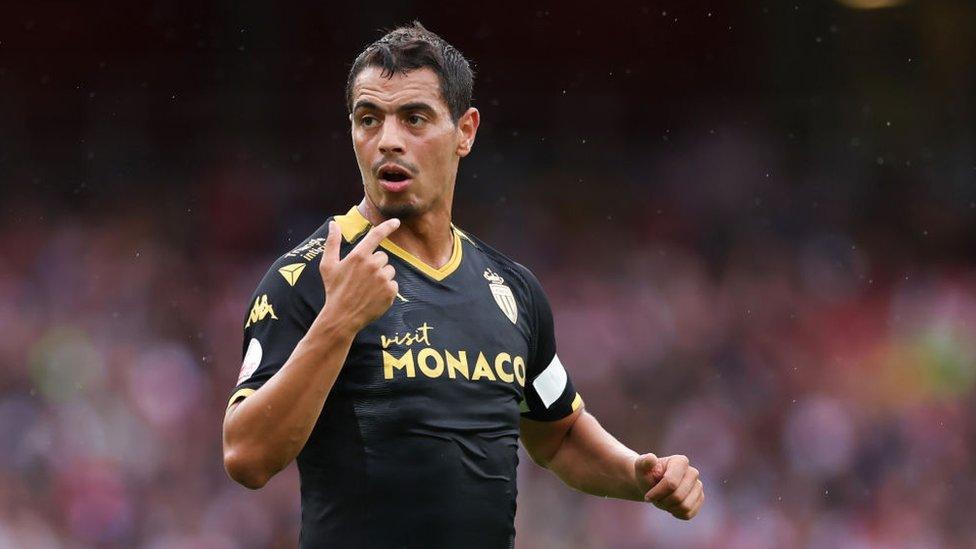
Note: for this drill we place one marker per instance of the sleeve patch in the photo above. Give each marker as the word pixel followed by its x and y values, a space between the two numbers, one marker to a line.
pixel 252 359
pixel 551 383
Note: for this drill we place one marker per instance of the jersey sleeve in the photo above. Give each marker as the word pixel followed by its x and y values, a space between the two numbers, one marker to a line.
pixel 278 315
pixel 549 392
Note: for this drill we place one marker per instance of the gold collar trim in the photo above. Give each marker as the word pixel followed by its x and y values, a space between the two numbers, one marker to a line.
pixel 353 225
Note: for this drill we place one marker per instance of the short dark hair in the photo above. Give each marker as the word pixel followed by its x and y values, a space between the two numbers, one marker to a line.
pixel 412 47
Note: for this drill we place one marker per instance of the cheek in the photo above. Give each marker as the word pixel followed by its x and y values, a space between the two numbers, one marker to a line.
pixel 360 148
pixel 439 152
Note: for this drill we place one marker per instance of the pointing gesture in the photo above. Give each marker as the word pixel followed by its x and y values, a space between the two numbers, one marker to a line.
pixel 372 240
pixel 359 287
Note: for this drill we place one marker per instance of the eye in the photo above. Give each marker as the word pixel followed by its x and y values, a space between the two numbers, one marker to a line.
pixel 368 121
pixel 416 120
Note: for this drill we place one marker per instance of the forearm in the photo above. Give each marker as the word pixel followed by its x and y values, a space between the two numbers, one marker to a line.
pixel 591 460
pixel 264 432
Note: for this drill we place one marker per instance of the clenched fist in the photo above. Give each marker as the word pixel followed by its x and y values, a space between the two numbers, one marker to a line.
pixel 360 287
pixel 671 484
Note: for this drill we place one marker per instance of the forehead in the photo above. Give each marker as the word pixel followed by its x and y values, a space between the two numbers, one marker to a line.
pixel 421 84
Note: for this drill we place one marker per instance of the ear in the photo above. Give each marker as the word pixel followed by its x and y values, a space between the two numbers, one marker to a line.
pixel 467 128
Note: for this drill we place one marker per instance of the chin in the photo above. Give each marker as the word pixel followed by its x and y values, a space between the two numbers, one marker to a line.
pixel 402 206
pixel 399 211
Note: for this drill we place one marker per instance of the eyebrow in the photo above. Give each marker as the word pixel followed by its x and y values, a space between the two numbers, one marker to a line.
pixel 406 107
pixel 365 105
pixel 416 106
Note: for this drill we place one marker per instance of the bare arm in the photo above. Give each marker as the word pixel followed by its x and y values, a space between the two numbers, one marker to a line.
pixel 588 458
pixel 264 432
pixel 585 456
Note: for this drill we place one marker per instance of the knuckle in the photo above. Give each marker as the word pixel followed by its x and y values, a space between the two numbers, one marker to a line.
pixel 670 484
pixel 694 471
pixel 681 459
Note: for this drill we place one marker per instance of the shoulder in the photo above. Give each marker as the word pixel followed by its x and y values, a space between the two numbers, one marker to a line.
pixel 513 272
pixel 295 273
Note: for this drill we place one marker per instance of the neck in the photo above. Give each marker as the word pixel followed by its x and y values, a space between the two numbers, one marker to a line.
pixel 427 236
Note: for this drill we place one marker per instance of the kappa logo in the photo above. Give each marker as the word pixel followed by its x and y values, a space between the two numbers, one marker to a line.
pixel 260 311
pixel 292 272
pixel 502 294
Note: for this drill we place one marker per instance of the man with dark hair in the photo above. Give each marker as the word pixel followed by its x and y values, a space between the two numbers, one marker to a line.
pixel 402 378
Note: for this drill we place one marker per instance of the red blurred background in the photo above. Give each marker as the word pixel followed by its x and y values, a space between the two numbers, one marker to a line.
pixel 755 222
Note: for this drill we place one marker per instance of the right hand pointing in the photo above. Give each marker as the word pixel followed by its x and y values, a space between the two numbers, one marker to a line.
pixel 360 287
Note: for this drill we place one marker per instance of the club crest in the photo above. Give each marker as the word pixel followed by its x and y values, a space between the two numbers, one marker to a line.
pixel 502 294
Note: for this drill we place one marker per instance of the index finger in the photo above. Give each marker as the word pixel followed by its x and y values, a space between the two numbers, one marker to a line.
pixel 372 240
pixel 331 248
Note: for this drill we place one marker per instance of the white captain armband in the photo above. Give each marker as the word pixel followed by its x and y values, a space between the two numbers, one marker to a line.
pixel 551 383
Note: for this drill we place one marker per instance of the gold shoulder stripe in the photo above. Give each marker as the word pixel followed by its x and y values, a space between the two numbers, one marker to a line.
pixel 241 394
pixel 577 402
pixel 353 224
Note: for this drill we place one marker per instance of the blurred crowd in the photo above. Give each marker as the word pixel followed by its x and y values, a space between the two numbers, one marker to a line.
pixel 755 226
pixel 821 379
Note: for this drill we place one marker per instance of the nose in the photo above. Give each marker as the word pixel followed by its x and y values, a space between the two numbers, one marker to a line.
pixel 391 138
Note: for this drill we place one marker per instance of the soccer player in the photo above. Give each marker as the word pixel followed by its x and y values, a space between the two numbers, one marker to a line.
pixel 400 360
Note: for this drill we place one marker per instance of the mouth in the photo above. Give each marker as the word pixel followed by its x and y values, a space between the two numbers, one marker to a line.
pixel 393 178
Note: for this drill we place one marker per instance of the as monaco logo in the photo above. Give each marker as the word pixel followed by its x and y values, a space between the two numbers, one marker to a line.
pixel 502 294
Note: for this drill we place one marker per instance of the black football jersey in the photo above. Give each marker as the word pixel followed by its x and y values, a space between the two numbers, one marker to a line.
pixel 416 445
